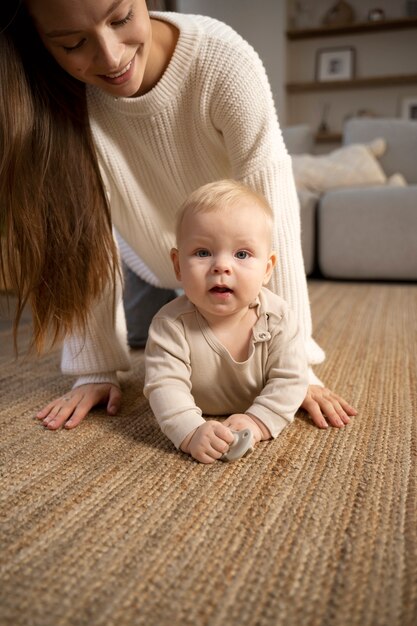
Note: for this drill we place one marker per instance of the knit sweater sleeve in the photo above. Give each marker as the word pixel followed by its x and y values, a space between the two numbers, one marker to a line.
pixel 244 113
pixel 96 355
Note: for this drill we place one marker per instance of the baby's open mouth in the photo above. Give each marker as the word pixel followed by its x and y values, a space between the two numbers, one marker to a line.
pixel 219 289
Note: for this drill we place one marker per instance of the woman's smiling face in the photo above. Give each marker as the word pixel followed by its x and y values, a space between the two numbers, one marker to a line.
pixel 105 43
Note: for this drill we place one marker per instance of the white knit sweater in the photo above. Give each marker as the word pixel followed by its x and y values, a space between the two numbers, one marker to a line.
pixel 210 116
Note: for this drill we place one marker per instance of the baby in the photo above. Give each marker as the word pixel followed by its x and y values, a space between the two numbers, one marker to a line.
pixel 229 346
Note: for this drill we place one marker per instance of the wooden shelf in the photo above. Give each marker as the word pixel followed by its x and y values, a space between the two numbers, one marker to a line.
pixel 355 83
pixel 328 137
pixel 356 28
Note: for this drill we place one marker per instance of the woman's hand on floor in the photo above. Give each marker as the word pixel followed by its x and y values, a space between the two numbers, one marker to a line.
pixel 326 407
pixel 69 410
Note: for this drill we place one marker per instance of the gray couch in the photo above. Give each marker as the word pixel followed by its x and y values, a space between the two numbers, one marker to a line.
pixel 365 232
pixel 299 140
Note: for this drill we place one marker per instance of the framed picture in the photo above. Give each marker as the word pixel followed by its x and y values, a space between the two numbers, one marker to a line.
pixel 335 64
pixel 409 108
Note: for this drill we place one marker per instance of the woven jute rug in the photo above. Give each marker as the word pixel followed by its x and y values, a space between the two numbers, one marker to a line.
pixel 108 525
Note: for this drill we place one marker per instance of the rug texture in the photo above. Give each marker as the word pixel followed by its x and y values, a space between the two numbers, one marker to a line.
pixel 109 525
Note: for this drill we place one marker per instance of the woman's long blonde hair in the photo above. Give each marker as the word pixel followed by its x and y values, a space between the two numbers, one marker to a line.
pixel 54 217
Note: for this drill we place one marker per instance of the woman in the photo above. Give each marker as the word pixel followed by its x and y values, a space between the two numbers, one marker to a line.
pixel 111 116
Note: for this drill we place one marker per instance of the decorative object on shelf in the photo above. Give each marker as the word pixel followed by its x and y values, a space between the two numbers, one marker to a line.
pixel 323 127
pixel 300 16
pixel 409 108
pixel 339 14
pixel 335 64
pixel 411 8
pixel 376 15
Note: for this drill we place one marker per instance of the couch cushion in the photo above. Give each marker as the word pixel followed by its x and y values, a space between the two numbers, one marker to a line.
pixel 349 166
pixel 401 138
pixel 368 233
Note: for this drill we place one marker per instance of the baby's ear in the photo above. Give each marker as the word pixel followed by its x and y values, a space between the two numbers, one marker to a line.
pixel 175 262
pixel 272 259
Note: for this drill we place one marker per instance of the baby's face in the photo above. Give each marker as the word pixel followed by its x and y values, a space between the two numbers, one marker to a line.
pixel 224 258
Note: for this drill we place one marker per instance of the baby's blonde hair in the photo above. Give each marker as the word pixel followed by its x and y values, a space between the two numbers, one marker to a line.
pixel 219 195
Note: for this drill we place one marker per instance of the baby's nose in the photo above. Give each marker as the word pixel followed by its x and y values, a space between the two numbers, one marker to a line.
pixel 221 266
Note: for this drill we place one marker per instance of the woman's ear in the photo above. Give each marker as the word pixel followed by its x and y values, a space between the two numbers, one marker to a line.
pixel 272 259
pixel 175 262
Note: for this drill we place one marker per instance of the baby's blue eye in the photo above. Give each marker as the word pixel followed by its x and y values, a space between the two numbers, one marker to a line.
pixel 202 253
pixel 241 254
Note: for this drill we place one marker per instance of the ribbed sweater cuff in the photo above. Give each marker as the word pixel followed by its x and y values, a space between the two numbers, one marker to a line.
pixel 102 377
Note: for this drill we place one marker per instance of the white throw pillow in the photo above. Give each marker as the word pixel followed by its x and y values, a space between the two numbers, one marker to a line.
pixel 349 166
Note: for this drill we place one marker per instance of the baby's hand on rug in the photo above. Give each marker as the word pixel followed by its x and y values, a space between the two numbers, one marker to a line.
pixel 208 442
pixel 240 421
pixel 70 409
pixel 325 406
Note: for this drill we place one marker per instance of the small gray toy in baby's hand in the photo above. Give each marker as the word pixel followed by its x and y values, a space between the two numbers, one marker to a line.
pixel 241 447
